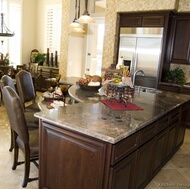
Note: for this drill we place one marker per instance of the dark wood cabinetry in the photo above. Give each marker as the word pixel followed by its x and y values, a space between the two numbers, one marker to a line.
pixel 177 49
pixel 70 160
pixel 158 151
pixel 75 160
pixel 143 164
pixel 157 21
pixel 144 19
pixel 122 174
pixel 170 148
pixel 180 39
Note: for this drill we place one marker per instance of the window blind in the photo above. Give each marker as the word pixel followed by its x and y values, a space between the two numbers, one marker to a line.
pixel 53 27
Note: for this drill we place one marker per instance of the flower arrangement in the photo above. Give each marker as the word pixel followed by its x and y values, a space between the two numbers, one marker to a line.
pixel 4 59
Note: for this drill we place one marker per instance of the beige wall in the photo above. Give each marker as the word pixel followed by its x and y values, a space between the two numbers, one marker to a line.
pixel 33 23
pixel 114 6
pixel 73 46
pixel 28 29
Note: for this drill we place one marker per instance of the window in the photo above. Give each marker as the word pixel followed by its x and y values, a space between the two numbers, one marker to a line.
pixel 53 27
pixel 12 45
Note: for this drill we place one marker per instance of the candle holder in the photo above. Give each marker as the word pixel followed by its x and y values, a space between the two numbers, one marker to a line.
pixel 52 59
pixel 47 57
pixel 56 59
pixel 119 92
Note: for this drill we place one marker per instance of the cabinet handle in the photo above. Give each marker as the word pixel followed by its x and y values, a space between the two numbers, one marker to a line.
pixel 188 52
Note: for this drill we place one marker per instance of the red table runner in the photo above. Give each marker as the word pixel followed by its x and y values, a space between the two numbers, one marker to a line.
pixel 115 105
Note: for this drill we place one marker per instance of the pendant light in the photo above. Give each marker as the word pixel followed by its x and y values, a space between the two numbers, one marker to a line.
pixel 4 31
pixel 85 18
pixel 75 26
pixel 78 30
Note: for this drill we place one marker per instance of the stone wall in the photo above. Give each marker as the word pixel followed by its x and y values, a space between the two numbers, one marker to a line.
pixel 64 37
pixel 184 6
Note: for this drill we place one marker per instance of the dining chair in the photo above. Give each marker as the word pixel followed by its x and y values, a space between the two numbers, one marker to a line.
pixel 24 140
pixel 26 91
pixel 32 122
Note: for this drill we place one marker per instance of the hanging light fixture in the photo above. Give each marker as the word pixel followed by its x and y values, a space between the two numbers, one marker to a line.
pixel 78 30
pixel 75 26
pixel 4 31
pixel 85 18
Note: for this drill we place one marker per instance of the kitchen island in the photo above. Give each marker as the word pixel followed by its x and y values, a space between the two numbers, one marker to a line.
pixel 88 145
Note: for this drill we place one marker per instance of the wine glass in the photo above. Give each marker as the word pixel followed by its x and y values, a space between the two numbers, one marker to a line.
pixel 64 89
pixel 57 77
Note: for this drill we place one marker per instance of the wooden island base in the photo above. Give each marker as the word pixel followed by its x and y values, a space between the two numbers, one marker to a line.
pixel 72 160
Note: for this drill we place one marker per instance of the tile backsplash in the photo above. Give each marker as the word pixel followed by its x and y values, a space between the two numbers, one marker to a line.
pixel 185 68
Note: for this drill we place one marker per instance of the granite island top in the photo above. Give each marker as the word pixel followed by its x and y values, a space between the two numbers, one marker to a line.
pixel 99 121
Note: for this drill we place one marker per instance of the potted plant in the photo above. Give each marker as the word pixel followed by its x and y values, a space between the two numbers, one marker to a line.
pixel 176 75
pixel 39 58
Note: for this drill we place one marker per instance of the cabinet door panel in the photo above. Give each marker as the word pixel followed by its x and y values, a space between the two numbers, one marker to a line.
pixel 122 174
pixel 159 149
pixel 171 139
pixel 157 21
pixel 65 154
pixel 181 41
pixel 144 162
pixel 182 126
pixel 130 21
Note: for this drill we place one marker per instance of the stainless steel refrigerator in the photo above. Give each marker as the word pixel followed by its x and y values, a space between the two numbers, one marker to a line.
pixel 142 50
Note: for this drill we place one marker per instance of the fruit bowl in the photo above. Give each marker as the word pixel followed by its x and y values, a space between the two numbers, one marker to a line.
pixel 89 88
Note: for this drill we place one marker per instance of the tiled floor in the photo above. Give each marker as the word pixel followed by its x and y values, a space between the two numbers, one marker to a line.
pixel 10 179
pixel 175 174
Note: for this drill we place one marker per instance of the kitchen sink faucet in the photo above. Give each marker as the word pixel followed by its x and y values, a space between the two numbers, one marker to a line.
pixel 134 75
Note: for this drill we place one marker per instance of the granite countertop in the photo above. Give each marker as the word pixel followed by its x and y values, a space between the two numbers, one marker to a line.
pixel 187 85
pixel 84 96
pixel 99 121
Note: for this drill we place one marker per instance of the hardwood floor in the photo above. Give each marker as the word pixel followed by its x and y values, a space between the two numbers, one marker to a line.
pixel 174 175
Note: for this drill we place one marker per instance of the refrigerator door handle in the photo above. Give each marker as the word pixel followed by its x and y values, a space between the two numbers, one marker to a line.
pixel 136 61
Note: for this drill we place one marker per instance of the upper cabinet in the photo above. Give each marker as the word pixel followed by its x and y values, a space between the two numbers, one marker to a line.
pixel 146 19
pixel 180 39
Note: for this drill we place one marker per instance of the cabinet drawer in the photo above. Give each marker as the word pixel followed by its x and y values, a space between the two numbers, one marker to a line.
pixel 162 123
pixel 124 147
pixel 185 106
pixel 174 115
pixel 147 132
